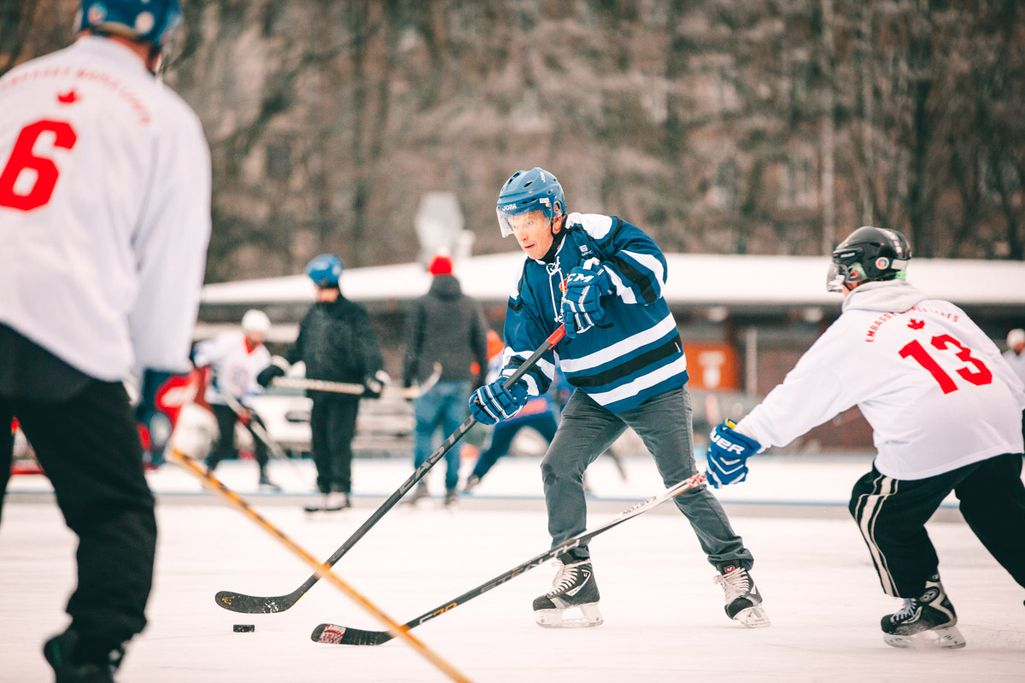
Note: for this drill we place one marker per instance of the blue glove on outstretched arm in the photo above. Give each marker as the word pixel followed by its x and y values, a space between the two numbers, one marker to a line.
pixel 728 452
pixel 493 402
pixel 581 304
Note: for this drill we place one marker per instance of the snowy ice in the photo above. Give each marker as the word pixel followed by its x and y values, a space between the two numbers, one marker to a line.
pixel 663 614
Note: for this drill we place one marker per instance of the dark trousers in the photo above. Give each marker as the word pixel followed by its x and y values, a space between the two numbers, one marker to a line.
pixel 333 423
pixel 503 434
pixel 89 448
pixel 664 424
pixel 225 447
pixel 891 514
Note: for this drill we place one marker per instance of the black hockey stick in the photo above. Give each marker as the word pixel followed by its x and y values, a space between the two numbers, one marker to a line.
pixel 253 604
pixel 334 634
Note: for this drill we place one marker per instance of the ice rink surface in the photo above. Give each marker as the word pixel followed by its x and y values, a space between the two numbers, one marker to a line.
pixel 663 613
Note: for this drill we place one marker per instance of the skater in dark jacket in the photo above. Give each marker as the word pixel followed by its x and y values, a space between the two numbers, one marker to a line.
pixel 337 344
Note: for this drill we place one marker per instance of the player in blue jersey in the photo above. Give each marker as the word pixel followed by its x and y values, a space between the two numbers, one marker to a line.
pixel 602 277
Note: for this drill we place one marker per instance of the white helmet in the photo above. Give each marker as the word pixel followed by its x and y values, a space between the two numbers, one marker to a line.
pixel 255 321
pixel 1015 337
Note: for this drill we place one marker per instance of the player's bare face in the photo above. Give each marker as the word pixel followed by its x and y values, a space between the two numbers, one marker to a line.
pixel 533 232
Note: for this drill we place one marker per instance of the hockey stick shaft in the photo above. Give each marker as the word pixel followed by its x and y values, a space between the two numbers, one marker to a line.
pixel 254 425
pixel 249 604
pixel 334 634
pixel 322 570
pixel 320 385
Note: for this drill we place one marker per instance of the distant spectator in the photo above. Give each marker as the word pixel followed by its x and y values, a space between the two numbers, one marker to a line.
pixel 1015 355
pixel 444 327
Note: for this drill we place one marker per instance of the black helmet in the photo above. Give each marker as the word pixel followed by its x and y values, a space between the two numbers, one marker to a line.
pixel 868 255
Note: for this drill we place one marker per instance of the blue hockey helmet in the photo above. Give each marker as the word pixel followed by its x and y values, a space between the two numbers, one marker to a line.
pixel 868 254
pixel 527 191
pixel 325 271
pixel 151 21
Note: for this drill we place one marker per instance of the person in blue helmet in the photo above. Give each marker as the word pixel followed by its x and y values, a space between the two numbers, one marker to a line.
pixel 337 344
pixel 602 277
pixel 105 217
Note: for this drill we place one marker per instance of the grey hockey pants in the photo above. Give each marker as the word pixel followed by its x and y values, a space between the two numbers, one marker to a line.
pixel 664 424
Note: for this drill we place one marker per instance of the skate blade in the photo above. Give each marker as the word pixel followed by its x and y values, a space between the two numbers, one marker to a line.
pixel 949 638
pixel 753 617
pixel 589 617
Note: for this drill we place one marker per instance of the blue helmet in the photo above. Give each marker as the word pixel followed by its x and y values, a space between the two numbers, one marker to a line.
pixel 151 21
pixel 325 270
pixel 527 191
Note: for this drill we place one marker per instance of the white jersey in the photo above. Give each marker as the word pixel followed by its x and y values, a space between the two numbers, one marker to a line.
pixel 933 386
pixel 104 210
pixel 1017 362
pixel 235 365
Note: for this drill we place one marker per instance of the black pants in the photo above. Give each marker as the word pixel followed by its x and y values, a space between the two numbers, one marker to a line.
pixel 225 447
pixel 333 422
pixel 89 448
pixel 891 514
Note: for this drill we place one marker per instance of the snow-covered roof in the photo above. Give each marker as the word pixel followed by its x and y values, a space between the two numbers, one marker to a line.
pixel 694 279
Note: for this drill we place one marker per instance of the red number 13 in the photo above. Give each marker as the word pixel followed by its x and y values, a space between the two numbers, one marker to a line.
pixel 981 376
pixel 23 159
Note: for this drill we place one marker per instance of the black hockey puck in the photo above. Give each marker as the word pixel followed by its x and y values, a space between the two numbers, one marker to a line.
pixel 243 628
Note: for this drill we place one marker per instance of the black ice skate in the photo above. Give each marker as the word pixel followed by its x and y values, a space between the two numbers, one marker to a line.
pixel 266 483
pixel 928 620
pixel 331 502
pixel 72 665
pixel 471 483
pixel 451 498
pixel 573 587
pixel 743 601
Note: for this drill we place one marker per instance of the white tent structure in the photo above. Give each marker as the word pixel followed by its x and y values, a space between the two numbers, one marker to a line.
pixel 694 279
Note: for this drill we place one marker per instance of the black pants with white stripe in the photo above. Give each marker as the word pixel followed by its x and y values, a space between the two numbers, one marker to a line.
pixel 891 514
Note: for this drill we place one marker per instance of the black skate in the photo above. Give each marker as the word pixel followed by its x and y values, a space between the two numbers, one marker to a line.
pixel 743 601
pixel 471 483
pixel 451 498
pixel 573 587
pixel 331 502
pixel 61 652
pixel 928 620
pixel 266 483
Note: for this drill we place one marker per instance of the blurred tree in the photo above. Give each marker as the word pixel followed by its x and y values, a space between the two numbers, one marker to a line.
pixel 763 127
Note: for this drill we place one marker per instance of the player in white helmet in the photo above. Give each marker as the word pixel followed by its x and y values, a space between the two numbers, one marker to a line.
pixel 946 412
pixel 236 359
pixel 104 223
pixel 1015 356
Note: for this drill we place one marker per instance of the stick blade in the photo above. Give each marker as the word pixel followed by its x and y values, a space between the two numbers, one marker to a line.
pixel 252 604
pixel 333 634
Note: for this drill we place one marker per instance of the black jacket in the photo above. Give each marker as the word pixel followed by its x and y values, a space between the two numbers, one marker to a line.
pixel 447 327
pixel 336 342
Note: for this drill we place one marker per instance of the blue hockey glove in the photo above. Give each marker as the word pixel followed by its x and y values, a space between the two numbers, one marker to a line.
pixel 581 303
pixel 728 452
pixel 493 402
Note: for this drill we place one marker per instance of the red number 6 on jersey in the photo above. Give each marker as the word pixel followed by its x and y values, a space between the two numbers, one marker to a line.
pixel 23 159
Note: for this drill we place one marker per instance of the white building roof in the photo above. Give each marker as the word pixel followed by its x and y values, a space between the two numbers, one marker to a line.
pixel 694 279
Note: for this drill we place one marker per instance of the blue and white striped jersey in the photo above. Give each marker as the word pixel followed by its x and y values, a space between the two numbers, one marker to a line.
pixel 635 352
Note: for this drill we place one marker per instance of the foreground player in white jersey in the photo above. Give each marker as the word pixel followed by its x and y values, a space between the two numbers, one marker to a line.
pixel 946 412
pixel 104 223
pixel 236 359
